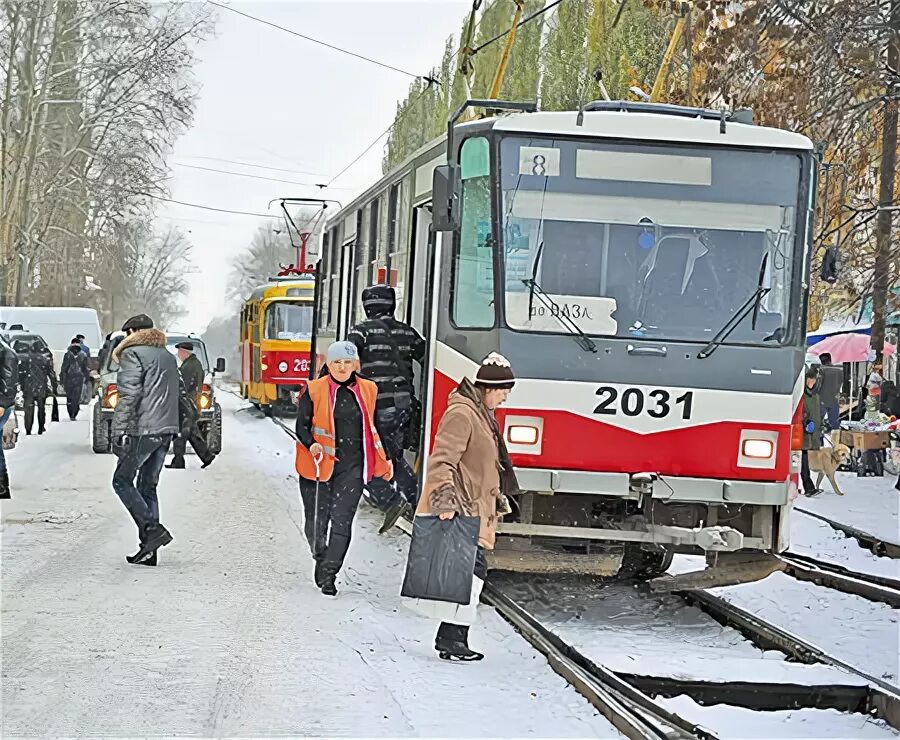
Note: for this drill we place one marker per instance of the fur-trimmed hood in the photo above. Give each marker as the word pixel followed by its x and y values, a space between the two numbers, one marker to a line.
pixel 141 338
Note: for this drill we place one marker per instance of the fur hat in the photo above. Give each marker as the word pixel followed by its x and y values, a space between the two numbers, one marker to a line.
pixel 141 321
pixel 495 372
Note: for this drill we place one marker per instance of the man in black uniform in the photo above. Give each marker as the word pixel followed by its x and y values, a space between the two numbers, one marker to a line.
pixel 387 348
pixel 35 377
pixel 191 372
pixel 74 374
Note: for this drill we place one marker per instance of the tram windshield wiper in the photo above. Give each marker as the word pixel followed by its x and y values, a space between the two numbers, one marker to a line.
pixel 536 291
pixel 751 304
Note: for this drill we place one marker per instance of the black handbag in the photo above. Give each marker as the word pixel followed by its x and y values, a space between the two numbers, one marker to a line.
pixel 441 562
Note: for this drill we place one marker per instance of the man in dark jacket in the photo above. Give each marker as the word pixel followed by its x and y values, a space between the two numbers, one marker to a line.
pixel 812 427
pixel 387 349
pixel 35 376
pixel 192 374
pixel 74 374
pixel 830 393
pixel 9 374
pixel 143 426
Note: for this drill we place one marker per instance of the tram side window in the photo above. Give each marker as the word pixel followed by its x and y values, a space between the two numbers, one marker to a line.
pixel 473 268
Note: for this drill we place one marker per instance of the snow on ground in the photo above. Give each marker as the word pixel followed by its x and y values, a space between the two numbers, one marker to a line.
pixel 862 633
pixel 869 504
pixel 734 722
pixel 813 537
pixel 228 636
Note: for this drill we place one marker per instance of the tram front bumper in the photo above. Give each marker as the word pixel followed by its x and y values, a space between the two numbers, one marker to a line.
pixel 709 539
pixel 681 489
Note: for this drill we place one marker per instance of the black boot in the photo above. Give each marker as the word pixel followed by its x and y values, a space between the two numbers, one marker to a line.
pixel 150 559
pixel 328 586
pixel 177 463
pixel 452 643
pixel 393 514
pixel 4 485
pixel 153 537
pixel 208 461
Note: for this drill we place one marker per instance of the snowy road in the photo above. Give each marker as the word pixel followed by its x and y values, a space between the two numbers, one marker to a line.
pixel 229 636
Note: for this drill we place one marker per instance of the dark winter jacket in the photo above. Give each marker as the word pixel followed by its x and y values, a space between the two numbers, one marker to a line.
pixel 812 411
pixel 36 375
pixel 9 374
pixel 192 375
pixel 74 372
pixel 832 380
pixel 391 370
pixel 147 382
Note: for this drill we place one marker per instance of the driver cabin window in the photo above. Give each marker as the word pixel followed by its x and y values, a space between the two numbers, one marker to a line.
pixel 473 259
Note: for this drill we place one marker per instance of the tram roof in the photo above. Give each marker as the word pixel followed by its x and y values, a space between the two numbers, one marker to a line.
pixel 618 120
pixel 280 288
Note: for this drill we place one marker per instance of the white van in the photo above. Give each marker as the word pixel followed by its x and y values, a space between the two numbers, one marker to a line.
pixel 56 324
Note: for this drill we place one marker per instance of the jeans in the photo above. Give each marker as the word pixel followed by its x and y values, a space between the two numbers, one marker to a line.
pixel 144 457
pixel 392 430
pixel 4 417
pixel 328 531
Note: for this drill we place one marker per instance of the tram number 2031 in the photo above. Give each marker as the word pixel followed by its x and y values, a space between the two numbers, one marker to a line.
pixel 657 403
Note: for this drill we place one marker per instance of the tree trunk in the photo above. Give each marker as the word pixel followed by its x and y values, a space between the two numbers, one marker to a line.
pixel 882 281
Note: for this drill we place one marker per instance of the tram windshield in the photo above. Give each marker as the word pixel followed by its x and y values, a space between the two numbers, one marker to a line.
pixel 290 321
pixel 653 242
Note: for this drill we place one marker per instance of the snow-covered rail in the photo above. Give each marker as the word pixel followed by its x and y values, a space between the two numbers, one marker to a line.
pixel 831 575
pixel 869 541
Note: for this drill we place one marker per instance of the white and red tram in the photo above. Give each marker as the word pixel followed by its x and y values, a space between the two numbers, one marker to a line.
pixel 644 268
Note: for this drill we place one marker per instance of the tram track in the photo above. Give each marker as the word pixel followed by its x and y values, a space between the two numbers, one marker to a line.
pixel 868 541
pixel 630 700
pixel 831 575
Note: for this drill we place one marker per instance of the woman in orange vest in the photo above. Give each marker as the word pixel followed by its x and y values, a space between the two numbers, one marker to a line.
pixel 338 452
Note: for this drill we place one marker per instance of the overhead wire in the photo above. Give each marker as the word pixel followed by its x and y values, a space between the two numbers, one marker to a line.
pixel 253 164
pixel 203 207
pixel 254 177
pixel 432 80
pixel 385 65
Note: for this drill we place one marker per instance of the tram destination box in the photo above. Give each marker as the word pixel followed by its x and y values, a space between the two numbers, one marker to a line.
pixel 871 440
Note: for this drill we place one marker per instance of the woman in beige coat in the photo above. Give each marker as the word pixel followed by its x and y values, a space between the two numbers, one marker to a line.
pixel 469 473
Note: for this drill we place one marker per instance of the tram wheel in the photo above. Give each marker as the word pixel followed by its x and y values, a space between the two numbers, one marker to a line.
pixel 644 564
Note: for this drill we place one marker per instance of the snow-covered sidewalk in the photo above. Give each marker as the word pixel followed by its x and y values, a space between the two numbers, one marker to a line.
pixel 228 636
pixel 871 505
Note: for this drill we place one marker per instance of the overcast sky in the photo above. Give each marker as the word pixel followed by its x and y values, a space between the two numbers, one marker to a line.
pixel 272 99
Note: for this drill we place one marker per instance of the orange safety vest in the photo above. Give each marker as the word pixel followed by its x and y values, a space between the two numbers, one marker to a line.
pixel 320 391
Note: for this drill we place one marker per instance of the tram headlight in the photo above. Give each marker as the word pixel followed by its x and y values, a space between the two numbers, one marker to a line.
pixel 758 449
pixel 520 434
pixel 283 366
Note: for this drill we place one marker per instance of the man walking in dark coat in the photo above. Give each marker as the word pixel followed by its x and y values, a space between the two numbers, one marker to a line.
pixel 9 374
pixel 830 392
pixel 387 349
pixel 812 428
pixel 143 426
pixel 192 374
pixel 74 374
pixel 36 376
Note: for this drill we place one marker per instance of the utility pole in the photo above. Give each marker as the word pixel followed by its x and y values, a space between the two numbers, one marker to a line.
pixel 882 278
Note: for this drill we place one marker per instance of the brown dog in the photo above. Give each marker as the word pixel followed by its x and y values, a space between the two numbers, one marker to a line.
pixel 826 462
